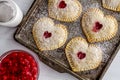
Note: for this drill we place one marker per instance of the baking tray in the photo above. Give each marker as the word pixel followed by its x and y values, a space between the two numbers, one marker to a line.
pixel 56 58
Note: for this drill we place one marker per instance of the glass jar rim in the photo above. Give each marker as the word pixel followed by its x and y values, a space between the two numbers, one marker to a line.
pixel 11 51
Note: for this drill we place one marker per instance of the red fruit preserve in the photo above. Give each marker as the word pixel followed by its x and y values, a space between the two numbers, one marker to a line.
pixel 18 65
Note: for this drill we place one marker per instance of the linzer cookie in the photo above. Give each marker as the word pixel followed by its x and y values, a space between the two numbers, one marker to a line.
pixel 64 10
pixel 98 27
pixel 47 35
pixel 111 4
pixel 83 56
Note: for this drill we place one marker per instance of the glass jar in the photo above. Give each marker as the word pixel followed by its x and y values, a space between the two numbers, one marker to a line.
pixel 18 65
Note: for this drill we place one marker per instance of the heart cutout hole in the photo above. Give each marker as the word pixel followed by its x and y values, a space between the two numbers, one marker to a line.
pixel 62 4
pixel 47 34
pixel 97 27
pixel 81 55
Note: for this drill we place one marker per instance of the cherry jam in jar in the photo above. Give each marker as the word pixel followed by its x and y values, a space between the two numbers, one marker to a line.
pixel 18 65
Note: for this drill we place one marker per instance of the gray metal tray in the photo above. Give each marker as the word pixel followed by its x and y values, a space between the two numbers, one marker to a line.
pixel 56 58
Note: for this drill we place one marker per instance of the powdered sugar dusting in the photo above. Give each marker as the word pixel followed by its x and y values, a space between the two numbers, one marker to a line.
pixel 94 5
pixel 65 13
pixel 74 29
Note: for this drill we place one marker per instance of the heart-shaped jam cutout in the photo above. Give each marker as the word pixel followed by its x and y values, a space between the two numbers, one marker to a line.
pixel 64 10
pixel 47 35
pixel 18 65
pixel 62 4
pixel 98 27
pixel 82 56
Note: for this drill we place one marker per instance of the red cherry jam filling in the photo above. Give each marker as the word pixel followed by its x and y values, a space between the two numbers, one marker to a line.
pixel 47 34
pixel 18 65
pixel 97 27
pixel 81 55
pixel 62 4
